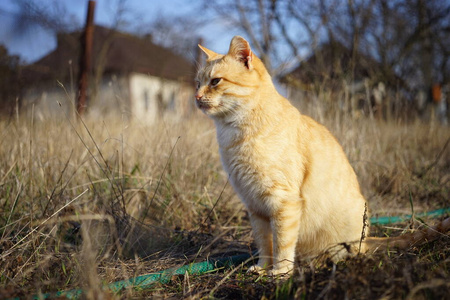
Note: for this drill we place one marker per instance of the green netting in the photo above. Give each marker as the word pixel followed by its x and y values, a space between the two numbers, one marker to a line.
pixel 399 219
pixel 146 281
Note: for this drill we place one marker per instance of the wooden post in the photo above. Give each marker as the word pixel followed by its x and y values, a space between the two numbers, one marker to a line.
pixel 85 58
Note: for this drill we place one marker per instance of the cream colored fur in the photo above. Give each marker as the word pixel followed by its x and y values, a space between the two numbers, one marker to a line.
pixel 301 193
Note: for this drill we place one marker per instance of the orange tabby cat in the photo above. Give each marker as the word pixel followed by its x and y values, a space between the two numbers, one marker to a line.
pixel 301 193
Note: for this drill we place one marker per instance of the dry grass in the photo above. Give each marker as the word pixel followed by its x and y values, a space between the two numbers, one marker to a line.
pixel 86 204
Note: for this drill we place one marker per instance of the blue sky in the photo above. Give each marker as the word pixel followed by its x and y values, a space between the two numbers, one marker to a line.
pixel 36 42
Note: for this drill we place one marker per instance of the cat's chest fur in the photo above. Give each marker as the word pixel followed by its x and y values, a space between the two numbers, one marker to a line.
pixel 257 166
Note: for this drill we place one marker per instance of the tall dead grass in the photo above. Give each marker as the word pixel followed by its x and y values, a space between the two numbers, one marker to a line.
pixel 398 163
pixel 83 203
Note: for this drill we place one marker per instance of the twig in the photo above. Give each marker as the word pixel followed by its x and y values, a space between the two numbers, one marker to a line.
pixel 365 225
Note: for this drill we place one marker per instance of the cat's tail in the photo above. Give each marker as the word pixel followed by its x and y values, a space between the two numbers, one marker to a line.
pixel 405 241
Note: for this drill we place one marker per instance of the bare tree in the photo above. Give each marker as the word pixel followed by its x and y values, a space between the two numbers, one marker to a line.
pixel 254 17
pixel 177 33
pixel 410 40
pixel 278 30
pixel 407 40
pixel 284 32
pixel 50 15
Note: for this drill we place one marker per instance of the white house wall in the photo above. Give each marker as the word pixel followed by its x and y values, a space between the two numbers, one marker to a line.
pixel 52 101
pixel 153 98
pixel 48 101
pixel 141 97
pixel 113 97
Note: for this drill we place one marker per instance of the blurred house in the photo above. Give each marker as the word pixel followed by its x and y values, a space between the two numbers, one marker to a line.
pixel 345 80
pixel 331 64
pixel 130 76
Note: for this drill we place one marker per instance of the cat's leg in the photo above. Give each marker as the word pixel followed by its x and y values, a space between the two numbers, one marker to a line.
pixel 262 233
pixel 285 227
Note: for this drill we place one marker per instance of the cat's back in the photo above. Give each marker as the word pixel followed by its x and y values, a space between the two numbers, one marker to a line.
pixel 326 160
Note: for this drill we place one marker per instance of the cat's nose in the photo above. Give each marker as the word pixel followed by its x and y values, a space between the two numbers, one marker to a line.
pixel 198 96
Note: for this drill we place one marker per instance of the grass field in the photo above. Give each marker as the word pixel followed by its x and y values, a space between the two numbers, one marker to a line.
pixel 86 204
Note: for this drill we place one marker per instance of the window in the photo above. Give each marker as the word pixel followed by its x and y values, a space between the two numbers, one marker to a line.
pixel 146 99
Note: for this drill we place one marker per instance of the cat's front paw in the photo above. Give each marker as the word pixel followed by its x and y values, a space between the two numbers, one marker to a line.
pixel 283 272
pixel 255 269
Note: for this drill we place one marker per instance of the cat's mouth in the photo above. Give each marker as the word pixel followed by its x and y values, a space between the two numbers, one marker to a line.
pixel 205 105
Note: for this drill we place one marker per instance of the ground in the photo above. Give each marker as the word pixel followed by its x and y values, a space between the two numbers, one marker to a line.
pixel 86 204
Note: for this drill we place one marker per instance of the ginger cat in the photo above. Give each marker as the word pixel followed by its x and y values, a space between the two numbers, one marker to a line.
pixel 301 192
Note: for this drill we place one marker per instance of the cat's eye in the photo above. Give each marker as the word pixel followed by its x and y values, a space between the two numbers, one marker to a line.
pixel 215 81
pixel 197 84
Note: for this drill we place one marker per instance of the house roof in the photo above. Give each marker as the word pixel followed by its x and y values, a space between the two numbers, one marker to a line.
pixel 115 52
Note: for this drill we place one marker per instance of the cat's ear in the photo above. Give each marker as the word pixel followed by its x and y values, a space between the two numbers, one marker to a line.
pixel 210 54
pixel 240 50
